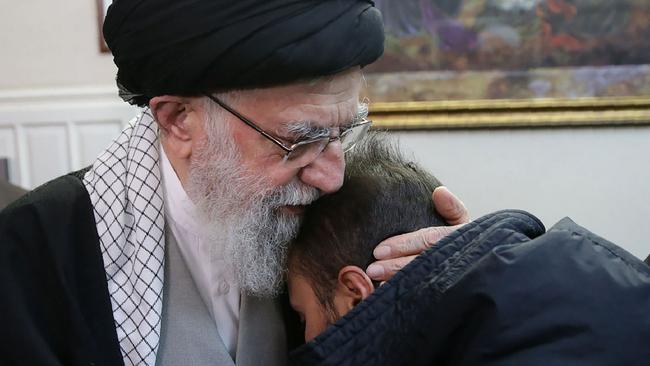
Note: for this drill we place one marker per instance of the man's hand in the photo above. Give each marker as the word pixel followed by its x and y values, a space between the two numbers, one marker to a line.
pixel 396 252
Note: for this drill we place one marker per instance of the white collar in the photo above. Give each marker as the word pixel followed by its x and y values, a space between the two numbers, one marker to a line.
pixel 204 259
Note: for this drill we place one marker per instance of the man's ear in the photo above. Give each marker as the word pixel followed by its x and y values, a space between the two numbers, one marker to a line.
pixel 172 113
pixel 354 285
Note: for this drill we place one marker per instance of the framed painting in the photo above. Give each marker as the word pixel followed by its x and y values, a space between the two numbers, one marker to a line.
pixel 511 63
pixel 102 7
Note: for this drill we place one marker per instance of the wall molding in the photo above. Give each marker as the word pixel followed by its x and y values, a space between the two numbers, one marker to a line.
pixel 46 132
pixel 53 94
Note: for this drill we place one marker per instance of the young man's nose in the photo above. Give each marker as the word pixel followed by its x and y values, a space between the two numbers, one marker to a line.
pixel 326 172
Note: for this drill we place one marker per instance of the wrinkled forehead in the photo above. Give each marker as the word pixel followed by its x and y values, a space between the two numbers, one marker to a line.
pixel 325 100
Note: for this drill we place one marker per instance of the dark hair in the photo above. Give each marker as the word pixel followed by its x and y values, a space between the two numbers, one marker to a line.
pixel 383 195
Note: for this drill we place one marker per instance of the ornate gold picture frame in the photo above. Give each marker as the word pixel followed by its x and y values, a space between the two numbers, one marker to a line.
pixel 623 111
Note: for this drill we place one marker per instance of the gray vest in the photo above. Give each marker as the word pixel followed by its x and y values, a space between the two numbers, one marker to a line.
pixel 189 335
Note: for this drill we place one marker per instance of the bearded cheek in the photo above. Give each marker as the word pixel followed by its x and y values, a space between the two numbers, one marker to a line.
pixel 257 248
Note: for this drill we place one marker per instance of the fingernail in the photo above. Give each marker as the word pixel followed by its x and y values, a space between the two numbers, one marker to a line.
pixel 381 252
pixel 375 271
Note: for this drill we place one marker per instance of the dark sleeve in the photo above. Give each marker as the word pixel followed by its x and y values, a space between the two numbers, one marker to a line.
pixel 55 304
pixel 568 297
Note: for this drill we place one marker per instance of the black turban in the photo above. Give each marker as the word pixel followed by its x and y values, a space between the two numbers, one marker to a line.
pixel 186 47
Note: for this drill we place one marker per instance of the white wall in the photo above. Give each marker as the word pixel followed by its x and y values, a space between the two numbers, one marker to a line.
pixel 55 85
pixel 58 101
pixel 45 43
pixel 600 177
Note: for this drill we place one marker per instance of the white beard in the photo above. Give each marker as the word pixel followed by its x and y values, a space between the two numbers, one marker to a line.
pixel 240 213
pixel 258 235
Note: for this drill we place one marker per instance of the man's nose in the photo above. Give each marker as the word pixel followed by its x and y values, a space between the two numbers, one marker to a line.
pixel 326 172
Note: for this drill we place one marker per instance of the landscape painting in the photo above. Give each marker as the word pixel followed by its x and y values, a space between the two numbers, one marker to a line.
pixel 512 49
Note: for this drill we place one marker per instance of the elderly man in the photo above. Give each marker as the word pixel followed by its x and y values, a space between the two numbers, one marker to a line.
pixel 170 249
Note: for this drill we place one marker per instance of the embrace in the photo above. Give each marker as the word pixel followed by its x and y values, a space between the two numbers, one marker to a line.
pixel 173 247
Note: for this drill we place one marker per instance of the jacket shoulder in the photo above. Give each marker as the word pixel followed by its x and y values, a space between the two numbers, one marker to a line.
pixel 58 191
pixel 9 193
pixel 50 203
pixel 600 249
pixel 556 293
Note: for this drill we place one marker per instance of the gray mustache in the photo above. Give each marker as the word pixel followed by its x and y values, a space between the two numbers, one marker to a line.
pixel 294 194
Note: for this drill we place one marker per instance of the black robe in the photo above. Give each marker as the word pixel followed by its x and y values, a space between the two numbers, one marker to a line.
pixel 55 305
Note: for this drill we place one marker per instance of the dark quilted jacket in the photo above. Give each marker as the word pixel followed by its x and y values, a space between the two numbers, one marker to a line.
pixel 500 291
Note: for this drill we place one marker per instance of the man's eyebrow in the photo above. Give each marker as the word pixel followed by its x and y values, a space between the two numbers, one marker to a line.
pixel 303 130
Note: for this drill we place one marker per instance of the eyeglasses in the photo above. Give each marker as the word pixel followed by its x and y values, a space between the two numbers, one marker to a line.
pixel 306 151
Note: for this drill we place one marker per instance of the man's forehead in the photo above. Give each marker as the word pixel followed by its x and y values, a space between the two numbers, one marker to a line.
pixel 345 82
pixel 327 106
pixel 305 117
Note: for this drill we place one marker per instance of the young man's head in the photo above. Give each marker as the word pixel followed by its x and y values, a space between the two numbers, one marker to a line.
pixel 383 195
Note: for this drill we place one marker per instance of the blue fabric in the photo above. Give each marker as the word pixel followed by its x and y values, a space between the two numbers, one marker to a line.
pixel 501 291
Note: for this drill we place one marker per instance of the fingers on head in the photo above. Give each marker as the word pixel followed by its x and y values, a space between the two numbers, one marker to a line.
pixel 394 265
pixel 449 206
pixel 402 245
pixel 433 234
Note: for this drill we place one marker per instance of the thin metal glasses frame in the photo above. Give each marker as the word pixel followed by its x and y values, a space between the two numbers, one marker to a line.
pixel 287 149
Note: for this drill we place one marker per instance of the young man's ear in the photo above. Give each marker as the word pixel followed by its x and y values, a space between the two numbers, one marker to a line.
pixel 353 286
pixel 172 113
